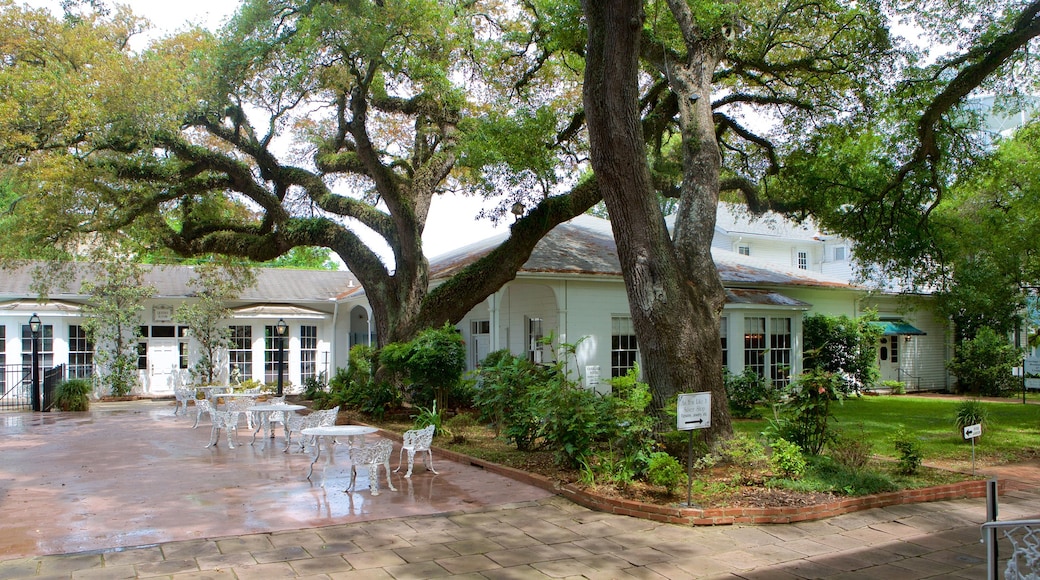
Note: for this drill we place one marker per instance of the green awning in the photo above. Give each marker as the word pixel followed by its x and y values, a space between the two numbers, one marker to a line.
pixel 897 327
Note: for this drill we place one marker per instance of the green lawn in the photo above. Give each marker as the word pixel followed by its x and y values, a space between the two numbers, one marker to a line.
pixel 1012 432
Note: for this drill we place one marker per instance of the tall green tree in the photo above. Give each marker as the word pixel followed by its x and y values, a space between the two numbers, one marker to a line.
pixel 215 284
pixel 112 320
pixel 706 62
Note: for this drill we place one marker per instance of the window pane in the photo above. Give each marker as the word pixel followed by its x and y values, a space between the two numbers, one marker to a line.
pixel 240 355
pixel 624 349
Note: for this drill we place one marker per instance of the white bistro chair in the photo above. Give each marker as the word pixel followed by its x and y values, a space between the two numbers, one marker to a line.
pixel 371 456
pixel 417 440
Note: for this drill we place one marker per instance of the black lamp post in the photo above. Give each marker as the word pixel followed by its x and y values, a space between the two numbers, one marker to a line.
pixel 280 329
pixel 34 330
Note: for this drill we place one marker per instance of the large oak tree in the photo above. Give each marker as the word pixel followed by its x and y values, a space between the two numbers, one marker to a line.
pixel 306 123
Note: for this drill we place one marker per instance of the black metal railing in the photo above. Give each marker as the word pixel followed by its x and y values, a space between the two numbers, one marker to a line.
pixel 15 388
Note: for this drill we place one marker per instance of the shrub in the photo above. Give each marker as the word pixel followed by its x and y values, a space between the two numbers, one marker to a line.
pixel 666 471
pixel 909 450
pixel 803 415
pixel 984 365
pixel 573 419
pixel 744 392
pixel 427 417
pixel 787 459
pixel 849 452
pixel 843 346
pixel 627 428
pixel 73 395
pixel 436 359
pixel 356 387
pixel 740 451
pixel 895 387
pixel 970 412
pixel 502 394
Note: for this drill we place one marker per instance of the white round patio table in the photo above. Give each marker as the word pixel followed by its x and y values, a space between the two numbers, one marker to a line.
pixel 354 432
pixel 266 411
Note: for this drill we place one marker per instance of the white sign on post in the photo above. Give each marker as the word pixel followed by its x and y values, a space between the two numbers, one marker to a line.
pixel 1032 365
pixel 972 431
pixel 693 411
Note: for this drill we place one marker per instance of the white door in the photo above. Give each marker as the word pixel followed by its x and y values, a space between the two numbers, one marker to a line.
pixel 888 357
pixel 163 361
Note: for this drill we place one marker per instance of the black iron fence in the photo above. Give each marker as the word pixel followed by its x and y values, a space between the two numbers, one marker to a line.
pixel 16 387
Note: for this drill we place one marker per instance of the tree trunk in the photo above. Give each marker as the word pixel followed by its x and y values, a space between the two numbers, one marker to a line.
pixel 675 315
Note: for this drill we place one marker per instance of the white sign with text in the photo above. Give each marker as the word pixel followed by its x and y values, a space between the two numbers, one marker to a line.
pixel 693 411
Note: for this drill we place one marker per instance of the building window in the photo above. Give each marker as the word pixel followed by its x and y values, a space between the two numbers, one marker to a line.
pixel 780 351
pixel 240 355
pixel 724 336
pixel 894 354
pixel 81 353
pixel 624 350
pixel 534 340
pixel 755 344
pixel 46 348
pixel 768 350
pixel 182 346
pixel 744 250
pixel 271 344
pixel 480 341
pixel 839 254
pixel 308 352
pixel 803 260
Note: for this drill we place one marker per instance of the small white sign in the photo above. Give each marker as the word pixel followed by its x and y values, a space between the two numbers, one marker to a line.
pixel 972 431
pixel 693 411
pixel 591 376
pixel 1032 365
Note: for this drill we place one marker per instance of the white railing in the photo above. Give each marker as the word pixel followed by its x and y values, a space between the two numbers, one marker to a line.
pixel 1022 536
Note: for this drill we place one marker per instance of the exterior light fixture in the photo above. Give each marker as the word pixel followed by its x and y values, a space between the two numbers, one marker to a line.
pixel 280 330
pixel 518 210
pixel 35 325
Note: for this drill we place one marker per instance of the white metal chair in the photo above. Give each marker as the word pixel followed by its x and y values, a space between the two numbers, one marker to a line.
pixel 297 423
pixel 371 456
pixel 417 440
pixel 240 406
pixel 202 406
pixel 182 396
pixel 226 420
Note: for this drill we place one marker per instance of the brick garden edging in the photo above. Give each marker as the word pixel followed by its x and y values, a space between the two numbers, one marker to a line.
pixel 730 515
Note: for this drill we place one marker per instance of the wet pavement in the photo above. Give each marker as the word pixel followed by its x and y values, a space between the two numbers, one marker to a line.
pixel 130 492
pixel 131 474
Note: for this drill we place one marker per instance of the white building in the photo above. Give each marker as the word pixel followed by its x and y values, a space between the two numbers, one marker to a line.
pixel 570 288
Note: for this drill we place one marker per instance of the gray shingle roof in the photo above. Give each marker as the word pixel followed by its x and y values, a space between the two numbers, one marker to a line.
pixel 585 245
pixel 272 284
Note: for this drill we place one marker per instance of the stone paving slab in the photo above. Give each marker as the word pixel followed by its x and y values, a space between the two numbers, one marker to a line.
pixel 551 537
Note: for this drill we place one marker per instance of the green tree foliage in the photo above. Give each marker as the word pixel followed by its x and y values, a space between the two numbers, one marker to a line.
pixel 113 317
pixel 305 258
pixel 984 365
pixel 436 360
pixel 844 346
pixel 182 145
pixel 216 283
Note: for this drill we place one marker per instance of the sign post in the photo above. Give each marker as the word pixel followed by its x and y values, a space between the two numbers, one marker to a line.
pixel 693 411
pixel 972 432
